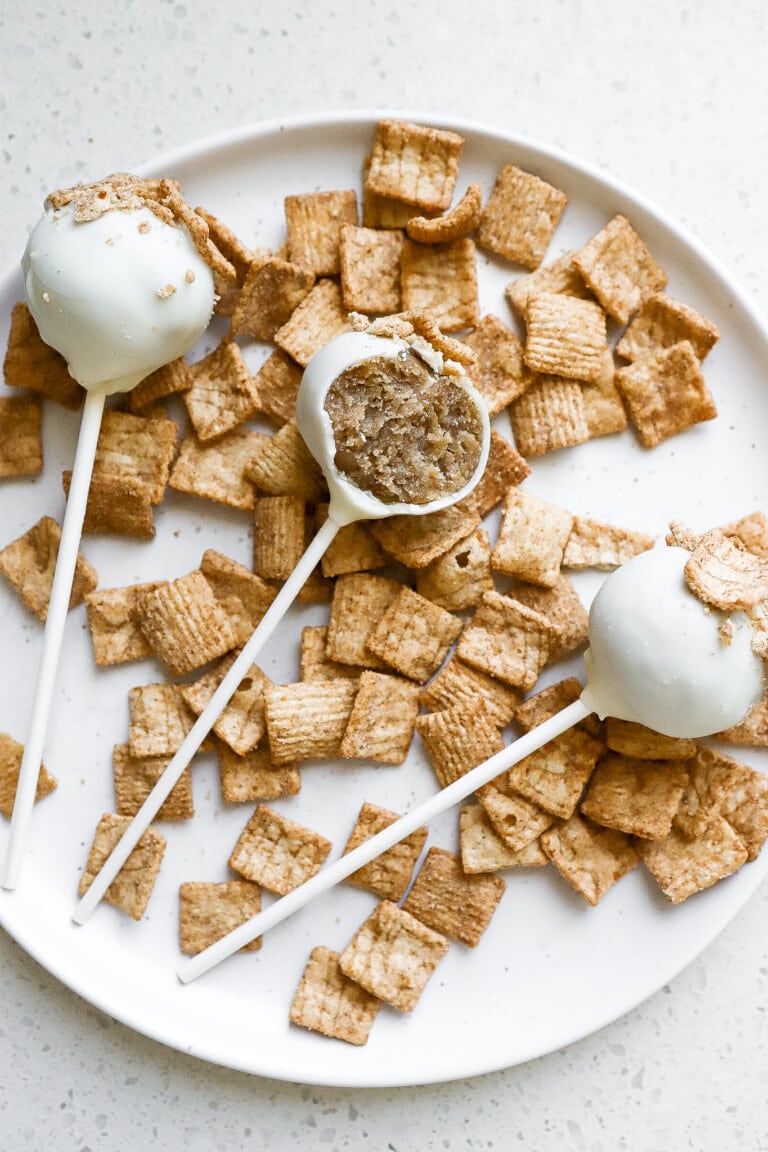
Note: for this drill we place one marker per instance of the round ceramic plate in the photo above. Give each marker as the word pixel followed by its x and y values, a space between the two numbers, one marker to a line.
pixel 550 969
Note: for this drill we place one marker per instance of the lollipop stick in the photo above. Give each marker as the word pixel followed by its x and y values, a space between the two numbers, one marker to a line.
pixel 383 840
pixel 204 722
pixel 58 606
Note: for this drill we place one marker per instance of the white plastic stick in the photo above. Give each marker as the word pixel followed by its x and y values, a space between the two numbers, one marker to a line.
pixel 205 722
pixel 71 532
pixel 383 840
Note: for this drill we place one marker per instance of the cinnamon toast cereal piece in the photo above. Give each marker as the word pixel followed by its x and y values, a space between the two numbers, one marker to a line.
pixel 223 393
pixel 458 683
pixel 414 163
pixel 516 821
pixel 641 743
pixel 136 776
pixel 457 222
pixel 721 786
pixel 413 635
pixel 132 887
pixel 565 612
pixel 392 955
pixel 117 506
pixel 159 720
pixel 447 900
pixel 255 776
pixel 499 372
pixel 662 322
pixel 682 866
pixel 353 548
pixel 458 578
pixel 605 546
pixel 328 1002
pixel 359 602
pixel 532 538
pixel 639 797
pixel 554 776
pixel 32 364
pixel 752 731
pixel 241 723
pixel 313 223
pixel 566 336
pixel 482 850
pixel 271 292
pixel 520 217
pixel 558 276
pixel 665 393
pixel 418 540
pixel 137 448
pixel 306 721
pixel 28 564
pixel 209 911
pixel 370 269
pixel 184 623
pixel 282 465
pixel 235 253
pixel 752 530
pixel 21 446
pixel 169 380
pixel 11 753
pixel 244 596
pixel 278 535
pixel 505 468
pixel 550 414
pixel 381 723
pixel 442 279
pixel 319 317
pixel 315 665
pixel 316 589
pixel 506 640
pixel 589 858
pixel 389 874
pixel 536 709
pixel 619 269
pixel 603 405
pixel 723 573
pixel 216 470
pixel 277 383
pixel 115 632
pixel 419 323
pixel 458 739
pixel 278 853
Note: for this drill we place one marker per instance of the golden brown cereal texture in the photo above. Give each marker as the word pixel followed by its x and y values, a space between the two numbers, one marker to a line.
pixel 458 222
pixel 278 535
pixel 209 911
pixel 353 548
pixel 418 540
pixel 447 900
pixel 313 222
pixel 21 446
pixel 30 363
pixel 184 623
pixel 516 821
pixel 507 640
pixel 236 253
pixel 665 393
pixel 565 612
pixel 413 635
pixel 306 721
pixel 137 448
pixel 505 468
pixel 393 955
pixel 255 776
pixel 417 326
pixel 414 163
pixel 277 383
pixel 723 573
pixel 458 738
pixel 159 719
pixel 320 316
pixel 115 632
pixel 722 786
pixel 566 336
pixel 370 269
pixel 458 578
pixel 619 269
pixel 217 470
pixel 381 723
pixel 635 740
pixel 536 709
pixel 315 665
pixel 442 279
pixel 520 217
pixel 282 465
pixel 241 723
pixel 639 797
pixel 482 850
pixel 554 776
pixel 359 602
pixel 458 683
pixel 169 380
pixel 136 776
pixel 328 1002
pixel 559 276
pixel 223 393
pixel 550 414
pixel 278 853
pixel 603 404
pixel 591 859
pixel 753 729
pixel 389 874
pixel 11 753
pixel 662 322
pixel 531 539
pixel 752 530
pixel 244 596
pixel 682 867
pixel 271 292
pixel 132 887
pixel 28 564
pixel 605 546
pixel 117 505
pixel 499 372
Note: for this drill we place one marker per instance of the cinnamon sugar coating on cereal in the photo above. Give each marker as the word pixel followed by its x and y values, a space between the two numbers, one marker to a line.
pixel 520 217
pixel 415 164
pixel 459 221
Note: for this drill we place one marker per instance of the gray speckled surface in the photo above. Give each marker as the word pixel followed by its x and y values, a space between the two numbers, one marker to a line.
pixel 669 98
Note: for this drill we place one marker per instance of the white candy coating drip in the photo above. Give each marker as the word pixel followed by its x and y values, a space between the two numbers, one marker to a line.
pixel 656 655
pixel 100 293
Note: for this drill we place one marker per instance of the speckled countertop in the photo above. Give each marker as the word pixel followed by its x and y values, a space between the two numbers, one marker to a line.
pixel 671 99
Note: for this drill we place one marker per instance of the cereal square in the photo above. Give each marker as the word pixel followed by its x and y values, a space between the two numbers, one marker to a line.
pixel 169 380
pixel 319 317
pixel 482 850
pixel 217 470
pixel 313 222
pixel 551 414
pixel 592 544
pixel 370 269
pixel 11 753
pixel 565 612
pixel 560 276
pixel 306 721
pixel 132 887
pixel 244 596
pixel 457 739
pixel 665 393
pixel 505 468
pixel 328 1002
pixel 566 337
pixel 639 797
pixel 115 632
pixel 532 539
pixel 223 393
pixel 359 602
pixel 241 723
pixel 413 635
pixel 270 294
pixel 136 776
pixel 255 776
pixel 389 874
pixel 28 564
pixel 237 254
pixel 418 540
pixel 282 465
pixel 536 709
pixel 458 683
pixel 683 866
pixel 315 665
pixel 516 821
pixel 209 911
pixel 554 776
pixel 641 743
pixel 381 723
pixel 278 853
pixel 277 383
pixel 353 548
pixel 279 524
pixel 520 217
pixel 499 372
pixel 662 322
pixel 591 859
pixel 603 404
pixel 442 279
pixel 458 578
pixel 507 640
pixel 118 505
pixel 138 448
pixel 723 573
pixel 184 623
pixel 30 363
pixel 458 222
pixel 21 446
pixel 159 720
pixel 447 900
pixel 414 163
pixel 619 269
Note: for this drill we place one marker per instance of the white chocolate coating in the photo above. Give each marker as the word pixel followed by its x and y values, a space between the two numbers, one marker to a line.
pixel 348 502
pixel 99 293
pixel 656 656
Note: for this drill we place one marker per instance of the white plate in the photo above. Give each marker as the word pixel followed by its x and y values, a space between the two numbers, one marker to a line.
pixel 550 969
